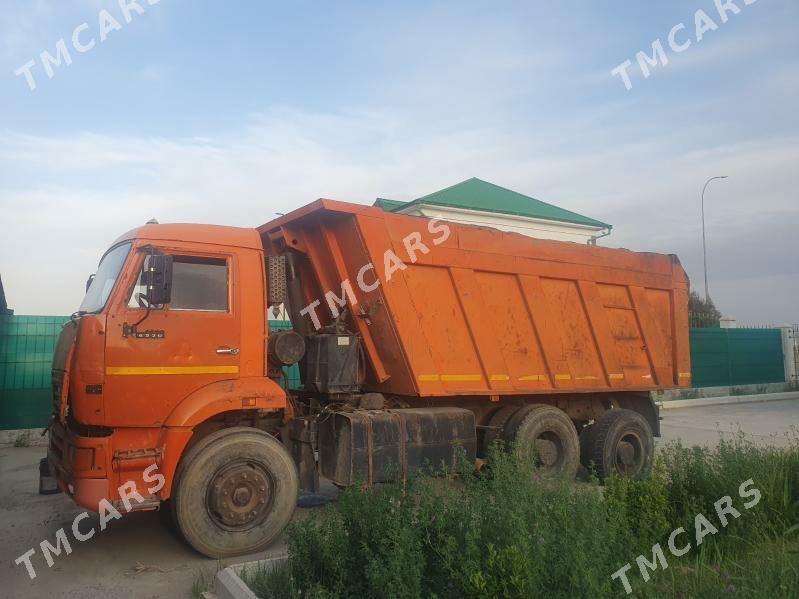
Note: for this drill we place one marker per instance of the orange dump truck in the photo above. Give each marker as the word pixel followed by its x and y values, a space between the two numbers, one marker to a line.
pixel 417 341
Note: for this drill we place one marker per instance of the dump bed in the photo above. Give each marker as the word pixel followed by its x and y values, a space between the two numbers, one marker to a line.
pixel 484 312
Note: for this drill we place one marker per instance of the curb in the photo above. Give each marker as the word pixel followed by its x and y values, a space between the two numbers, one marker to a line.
pixel 720 401
pixel 229 585
pixel 34 437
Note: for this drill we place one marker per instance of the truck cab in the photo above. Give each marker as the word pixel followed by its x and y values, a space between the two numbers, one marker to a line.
pixel 135 377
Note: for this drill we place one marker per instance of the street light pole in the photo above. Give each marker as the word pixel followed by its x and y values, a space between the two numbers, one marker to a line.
pixel 704 239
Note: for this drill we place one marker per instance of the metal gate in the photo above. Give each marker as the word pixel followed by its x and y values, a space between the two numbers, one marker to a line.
pixel 737 357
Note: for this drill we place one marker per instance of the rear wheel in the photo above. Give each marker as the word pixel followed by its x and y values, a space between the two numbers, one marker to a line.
pixel 496 425
pixel 548 435
pixel 620 442
pixel 236 490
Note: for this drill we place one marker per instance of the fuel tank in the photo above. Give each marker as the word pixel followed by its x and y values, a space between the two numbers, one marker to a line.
pixel 380 446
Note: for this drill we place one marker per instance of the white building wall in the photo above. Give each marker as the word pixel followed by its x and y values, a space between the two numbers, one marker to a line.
pixel 532 227
pixel 280 314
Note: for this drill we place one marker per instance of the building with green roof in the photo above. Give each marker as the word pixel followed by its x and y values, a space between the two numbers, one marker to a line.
pixel 479 202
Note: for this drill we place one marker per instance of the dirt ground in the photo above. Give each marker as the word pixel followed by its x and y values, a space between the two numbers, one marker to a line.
pixel 140 558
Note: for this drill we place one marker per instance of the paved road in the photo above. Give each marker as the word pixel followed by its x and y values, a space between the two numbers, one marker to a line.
pixel 139 558
pixel 771 422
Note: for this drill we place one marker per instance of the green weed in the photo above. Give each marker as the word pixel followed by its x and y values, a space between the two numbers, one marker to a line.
pixel 23 439
pixel 502 533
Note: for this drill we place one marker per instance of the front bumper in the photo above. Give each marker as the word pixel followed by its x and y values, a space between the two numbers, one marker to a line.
pixel 80 466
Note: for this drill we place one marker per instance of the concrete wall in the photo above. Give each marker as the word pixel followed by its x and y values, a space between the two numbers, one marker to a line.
pixel 704 392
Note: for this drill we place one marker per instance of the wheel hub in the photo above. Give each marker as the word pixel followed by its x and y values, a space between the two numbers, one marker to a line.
pixel 547 452
pixel 629 455
pixel 240 496
pixel 626 453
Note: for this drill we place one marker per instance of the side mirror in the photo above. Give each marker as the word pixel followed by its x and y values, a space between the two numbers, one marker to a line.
pixel 89 282
pixel 157 279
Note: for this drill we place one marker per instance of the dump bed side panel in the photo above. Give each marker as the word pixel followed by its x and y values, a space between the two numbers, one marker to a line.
pixel 487 312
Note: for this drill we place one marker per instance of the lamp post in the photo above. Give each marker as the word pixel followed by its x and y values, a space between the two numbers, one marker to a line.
pixel 704 240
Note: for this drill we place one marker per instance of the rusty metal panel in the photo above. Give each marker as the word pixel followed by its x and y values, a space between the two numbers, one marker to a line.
pixel 628 342
pixel 520 344
pixel 484 312
pixel 384 445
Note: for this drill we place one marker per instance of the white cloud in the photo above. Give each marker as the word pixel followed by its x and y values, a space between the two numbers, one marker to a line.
pixel 452 101
pixel 91 188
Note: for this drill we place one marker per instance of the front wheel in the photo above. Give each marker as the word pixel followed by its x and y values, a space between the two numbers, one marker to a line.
pixel 236 491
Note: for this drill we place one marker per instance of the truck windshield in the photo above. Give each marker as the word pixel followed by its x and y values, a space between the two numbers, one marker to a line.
pixel 104 280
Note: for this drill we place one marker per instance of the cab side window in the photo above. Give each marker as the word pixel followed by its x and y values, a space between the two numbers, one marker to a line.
pixel 199 284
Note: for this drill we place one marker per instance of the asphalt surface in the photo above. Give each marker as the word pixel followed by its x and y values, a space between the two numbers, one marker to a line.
pixel 772 423
pixel 139 557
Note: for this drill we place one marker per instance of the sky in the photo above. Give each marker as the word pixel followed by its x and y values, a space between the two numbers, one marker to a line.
pixel 231 112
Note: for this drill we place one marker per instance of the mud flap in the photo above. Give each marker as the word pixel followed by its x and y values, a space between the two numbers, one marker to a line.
pixel 48 485
pixel 301 433
pixel 644 404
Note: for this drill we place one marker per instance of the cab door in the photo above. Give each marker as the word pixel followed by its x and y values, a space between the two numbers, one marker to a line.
pixel 155 359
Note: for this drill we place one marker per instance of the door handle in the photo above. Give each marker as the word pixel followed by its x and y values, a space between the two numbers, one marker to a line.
pixel 231 351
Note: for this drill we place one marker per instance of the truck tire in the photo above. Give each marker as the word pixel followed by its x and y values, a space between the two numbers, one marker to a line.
pixel 497 423
pixel 235 492
pixel 551 433
pixel 620 442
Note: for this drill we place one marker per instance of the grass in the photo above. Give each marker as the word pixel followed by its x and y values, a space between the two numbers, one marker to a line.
pixel 23 439
pixel 767 569
pixel 204 581
pixel 501 533
pixel 274 582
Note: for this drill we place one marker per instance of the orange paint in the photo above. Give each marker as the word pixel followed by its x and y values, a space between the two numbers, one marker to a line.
pixel 156 390
pixel 494 313
pixel 459 311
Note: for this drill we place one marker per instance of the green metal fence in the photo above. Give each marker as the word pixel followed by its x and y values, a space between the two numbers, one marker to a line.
pixel 720 357
pixel 26 353
pixel 733 357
